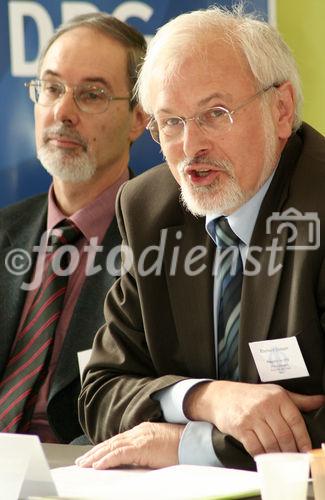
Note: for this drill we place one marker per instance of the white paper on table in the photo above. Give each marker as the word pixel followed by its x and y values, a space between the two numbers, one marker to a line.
pixel 24 470
pixel 76 481
pixel 83 358
pixel 181 482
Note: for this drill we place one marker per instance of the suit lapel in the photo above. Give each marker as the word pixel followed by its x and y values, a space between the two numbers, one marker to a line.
pixel 261 283
pixel 23 234
pixel 258 299
pixel 191 296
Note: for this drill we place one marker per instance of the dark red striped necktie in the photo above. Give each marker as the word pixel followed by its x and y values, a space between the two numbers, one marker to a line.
pixel 29 360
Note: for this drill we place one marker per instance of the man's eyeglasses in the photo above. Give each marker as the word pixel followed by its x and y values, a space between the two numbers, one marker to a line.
pixel 88 97
pixel 217 120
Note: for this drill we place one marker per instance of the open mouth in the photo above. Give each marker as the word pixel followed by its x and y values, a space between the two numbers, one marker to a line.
pixel 199 173
pixel 203 176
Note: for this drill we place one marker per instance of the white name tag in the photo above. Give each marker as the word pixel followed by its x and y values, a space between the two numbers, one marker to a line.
pixel 278 359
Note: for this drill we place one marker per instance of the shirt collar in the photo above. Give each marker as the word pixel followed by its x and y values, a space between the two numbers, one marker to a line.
pixel 242 221
pixel 92 220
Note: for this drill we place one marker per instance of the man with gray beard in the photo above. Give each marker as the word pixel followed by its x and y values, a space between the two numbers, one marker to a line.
pixel 86 119
pixel 176 373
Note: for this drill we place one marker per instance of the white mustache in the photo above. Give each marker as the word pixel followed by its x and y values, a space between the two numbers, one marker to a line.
pixel 224 166
pixel 63 131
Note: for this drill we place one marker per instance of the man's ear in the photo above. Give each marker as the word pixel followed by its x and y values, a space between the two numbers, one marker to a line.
pixel 139 122
pixel 284 109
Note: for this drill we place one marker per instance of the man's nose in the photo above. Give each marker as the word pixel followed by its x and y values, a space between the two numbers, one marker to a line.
pixel 195 140
pixel 65 108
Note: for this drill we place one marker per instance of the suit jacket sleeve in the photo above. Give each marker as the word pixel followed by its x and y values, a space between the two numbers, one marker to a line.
pixel 121 376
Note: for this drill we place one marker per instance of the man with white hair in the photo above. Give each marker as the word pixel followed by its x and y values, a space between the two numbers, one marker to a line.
pixel 176 373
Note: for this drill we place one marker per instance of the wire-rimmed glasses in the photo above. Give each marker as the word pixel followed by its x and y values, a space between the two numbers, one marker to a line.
pixel 217 120
pixel 89 97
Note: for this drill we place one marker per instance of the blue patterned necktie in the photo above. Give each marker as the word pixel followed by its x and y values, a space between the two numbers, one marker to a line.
pixel 230 270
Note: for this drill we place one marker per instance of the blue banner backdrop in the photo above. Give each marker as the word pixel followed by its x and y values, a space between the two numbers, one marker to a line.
pixel 25 28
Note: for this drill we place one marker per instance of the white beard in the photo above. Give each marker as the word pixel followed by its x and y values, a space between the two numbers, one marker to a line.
pixel 219 197
pixel 68 165
pixel 65 166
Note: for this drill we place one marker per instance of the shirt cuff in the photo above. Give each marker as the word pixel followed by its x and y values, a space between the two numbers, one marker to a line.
pixel 196 447
pixel 171 400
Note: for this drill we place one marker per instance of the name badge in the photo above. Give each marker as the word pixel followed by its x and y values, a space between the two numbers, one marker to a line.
pixel 278 359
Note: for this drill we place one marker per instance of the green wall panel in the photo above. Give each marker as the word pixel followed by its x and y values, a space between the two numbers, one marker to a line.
pixel 302 24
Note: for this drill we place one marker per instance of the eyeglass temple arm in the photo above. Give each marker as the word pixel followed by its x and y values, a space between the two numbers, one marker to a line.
pixel 248 101
pixel 114 98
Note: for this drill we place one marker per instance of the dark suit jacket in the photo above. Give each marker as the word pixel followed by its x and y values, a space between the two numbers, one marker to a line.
pixel 21 226
pixel 159 327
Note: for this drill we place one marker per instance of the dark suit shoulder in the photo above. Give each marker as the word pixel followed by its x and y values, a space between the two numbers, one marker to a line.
pixel 156 182
pixel 152 198
pixel 307 183
pixel 25 208
pixel 313 145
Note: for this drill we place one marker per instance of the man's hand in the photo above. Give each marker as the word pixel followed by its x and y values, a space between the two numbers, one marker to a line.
pixel 147 445
pixel 263 417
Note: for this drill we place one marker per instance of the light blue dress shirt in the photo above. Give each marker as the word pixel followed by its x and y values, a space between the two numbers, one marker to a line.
pixel 196 446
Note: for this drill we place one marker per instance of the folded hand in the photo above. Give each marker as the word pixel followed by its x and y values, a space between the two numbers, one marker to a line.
pixel 263 417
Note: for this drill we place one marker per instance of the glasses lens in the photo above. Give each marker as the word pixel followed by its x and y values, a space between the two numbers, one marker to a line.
pixel 32 91
pixel 172 126
pixel 154 130
pixel 217 119
pixel 46 92
pixel 91 99
pixel 214 120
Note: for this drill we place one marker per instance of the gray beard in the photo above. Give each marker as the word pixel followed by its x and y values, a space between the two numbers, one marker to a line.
pixel 219 197
pixel 206 200
pixel 67 167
